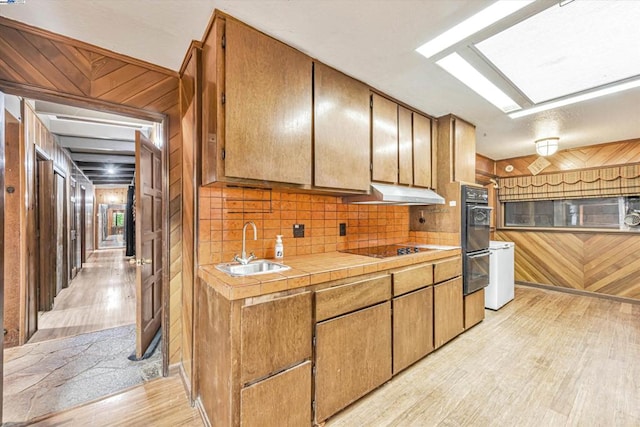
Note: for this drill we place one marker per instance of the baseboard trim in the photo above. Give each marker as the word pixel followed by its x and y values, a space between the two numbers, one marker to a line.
pixel 579 292
pixel 203 414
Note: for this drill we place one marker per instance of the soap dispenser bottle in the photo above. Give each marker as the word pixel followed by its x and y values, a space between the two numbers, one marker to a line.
pixel 279 248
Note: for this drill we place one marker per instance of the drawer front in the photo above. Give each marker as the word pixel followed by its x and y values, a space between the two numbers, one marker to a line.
pixel 446 270
pixel 342 299
pixel 275 334
pixel 413 278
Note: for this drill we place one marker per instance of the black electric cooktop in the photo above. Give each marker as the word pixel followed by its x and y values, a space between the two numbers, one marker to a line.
pixel 387 251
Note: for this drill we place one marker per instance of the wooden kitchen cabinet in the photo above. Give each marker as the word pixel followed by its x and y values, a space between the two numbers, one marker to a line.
pixel 421 151
pixel 384 139
pixel 342 148
pixel 456 151
pixel 257 107
pixel 473 308
pixel 405 146
pixel 291 388
pixel 352 357
pixel 275 334
pixel 448 311
pixel 412 328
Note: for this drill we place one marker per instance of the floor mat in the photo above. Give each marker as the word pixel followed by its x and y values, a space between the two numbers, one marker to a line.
pixel 50 376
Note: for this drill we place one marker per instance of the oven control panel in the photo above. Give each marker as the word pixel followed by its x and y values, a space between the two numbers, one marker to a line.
pixel 475 195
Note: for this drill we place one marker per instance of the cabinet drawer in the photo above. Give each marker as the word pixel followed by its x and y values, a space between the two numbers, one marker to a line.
pixel 342 299
pixel 446 270
pixel 275 334
pixel 410 279
pixel 283 400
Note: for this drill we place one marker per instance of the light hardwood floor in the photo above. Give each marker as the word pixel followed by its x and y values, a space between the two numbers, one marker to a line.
pixel 545 359
pixel 101 296
pixel 162 402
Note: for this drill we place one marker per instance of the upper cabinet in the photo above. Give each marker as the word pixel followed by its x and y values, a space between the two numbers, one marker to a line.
pixel 262 88
pixel 456 150
pixel 268 108
pixel 341 131
pixel 401 144
pixel 384 139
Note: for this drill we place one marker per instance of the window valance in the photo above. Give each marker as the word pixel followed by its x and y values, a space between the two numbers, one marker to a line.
pixel 602 182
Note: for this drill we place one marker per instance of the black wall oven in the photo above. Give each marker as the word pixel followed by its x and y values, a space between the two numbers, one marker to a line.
pixel 476 217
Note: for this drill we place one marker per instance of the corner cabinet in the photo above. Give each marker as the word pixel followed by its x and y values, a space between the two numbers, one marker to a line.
pixel 257 107
pixel 341 131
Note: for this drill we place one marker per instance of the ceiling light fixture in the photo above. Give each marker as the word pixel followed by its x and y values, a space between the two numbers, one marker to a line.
pixel 463 71
pixel 472 25
pixel 547 146
pixel 577 98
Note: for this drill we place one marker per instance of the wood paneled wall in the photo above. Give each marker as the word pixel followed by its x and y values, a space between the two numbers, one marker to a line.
pixel 111 196
pixel 44 65
pixel 605 263
pixel 592 156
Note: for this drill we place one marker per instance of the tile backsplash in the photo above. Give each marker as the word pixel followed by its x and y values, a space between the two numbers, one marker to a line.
pixel 223 212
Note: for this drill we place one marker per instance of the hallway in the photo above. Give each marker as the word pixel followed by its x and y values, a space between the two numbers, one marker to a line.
pixel 101 296
pixel 80 351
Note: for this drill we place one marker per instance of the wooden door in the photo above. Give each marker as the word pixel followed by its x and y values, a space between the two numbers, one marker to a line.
pixel 448 312
pixel 405 146
pixel 149 245
pixel 342 147
pixel 2 142
pixel 384 140
pixel 412 327
pixel 60 233
pixel 268 104
pixel 421 151
pixel 46 235
pixel 353 357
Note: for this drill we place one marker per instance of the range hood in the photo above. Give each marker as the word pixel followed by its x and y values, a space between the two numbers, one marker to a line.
pixel 387 194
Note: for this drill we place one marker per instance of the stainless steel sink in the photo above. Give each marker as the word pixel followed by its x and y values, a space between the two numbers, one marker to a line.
pixel 253 268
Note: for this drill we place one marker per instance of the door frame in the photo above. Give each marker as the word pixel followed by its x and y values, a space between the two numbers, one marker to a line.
pixel 31 92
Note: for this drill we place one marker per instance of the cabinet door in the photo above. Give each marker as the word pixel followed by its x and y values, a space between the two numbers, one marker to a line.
pixel 268 108
pixel 353 357
pixel 464 168
pixel 283 400
pixel 405 146
pixel 342 149
pixel 275 334
pixel 473 308
pixel 412 328
pixel 447 311
pixel 384 129
pixel 421 151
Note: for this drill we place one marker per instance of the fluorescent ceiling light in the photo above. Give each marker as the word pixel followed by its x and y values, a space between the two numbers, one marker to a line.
pixel 463 71
pixel 565 50
pixel 472 25
pixel 578 98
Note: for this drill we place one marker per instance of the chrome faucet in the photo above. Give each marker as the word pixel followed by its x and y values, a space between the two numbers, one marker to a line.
pixel 243 259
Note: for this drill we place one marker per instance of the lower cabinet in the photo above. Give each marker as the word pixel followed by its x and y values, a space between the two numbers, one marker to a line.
pixel 283 400
pixel 473 308
pixel 412 328
pixel 353 357
pixel 448 311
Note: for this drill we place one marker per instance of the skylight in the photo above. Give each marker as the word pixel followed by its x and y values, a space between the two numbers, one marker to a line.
pixel 569 49
pixel 463 71
pixel 472 25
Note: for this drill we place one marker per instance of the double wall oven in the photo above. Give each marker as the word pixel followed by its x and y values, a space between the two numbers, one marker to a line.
pixel 476 216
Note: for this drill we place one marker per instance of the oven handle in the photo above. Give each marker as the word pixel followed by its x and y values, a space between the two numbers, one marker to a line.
pixel 486 208
pixel 485 252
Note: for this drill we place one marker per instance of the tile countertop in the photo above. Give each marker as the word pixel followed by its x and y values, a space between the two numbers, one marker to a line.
pixel 307 270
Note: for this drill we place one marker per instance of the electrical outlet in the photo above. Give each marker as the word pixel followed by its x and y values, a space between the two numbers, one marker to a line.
pixel 343 229
pixel 298 230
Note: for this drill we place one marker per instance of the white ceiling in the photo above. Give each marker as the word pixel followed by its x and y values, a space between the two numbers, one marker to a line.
pixel 372 40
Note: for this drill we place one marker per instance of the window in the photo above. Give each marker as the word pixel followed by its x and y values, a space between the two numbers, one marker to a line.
pixel 605 213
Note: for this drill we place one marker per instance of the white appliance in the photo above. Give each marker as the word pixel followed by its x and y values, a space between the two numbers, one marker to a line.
pixel 501 275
